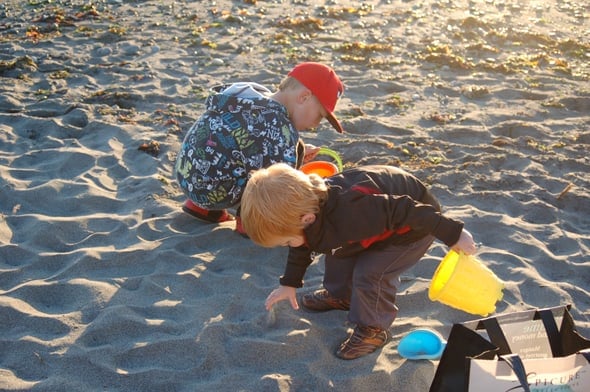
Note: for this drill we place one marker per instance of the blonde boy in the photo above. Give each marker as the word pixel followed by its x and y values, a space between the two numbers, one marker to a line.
pixel 372 223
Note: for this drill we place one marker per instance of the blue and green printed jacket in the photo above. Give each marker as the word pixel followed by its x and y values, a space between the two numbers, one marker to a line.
pixel 239 132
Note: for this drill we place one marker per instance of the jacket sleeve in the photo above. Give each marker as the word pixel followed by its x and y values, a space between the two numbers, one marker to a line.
pixel 297 262
pixel 447 230
pixel 405 211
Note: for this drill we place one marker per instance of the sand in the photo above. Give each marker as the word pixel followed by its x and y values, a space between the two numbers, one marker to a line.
pixel 106 285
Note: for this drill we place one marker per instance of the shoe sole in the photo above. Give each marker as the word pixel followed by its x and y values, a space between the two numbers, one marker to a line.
pixel 203 218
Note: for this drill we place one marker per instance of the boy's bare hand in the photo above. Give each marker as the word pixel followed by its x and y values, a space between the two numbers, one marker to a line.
pixel 311 152
pixel 465 243
pixel 282 293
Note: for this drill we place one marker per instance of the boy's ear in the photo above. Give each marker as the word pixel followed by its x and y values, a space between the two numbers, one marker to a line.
pixel 304 95
pixel 308 219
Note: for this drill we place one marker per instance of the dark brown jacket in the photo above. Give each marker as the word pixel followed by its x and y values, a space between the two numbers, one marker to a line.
pixel 370 207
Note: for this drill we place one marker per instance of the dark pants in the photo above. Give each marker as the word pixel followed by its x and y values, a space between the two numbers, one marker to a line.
pixel 370 280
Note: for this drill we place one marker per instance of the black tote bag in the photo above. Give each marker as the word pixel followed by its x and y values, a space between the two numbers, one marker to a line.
pixel 535 333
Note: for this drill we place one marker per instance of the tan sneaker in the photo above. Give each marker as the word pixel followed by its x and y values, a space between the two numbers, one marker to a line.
pixel 322 300
pixel 363 341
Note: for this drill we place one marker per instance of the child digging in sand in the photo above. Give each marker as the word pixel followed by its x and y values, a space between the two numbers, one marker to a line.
pixel 372 223
pixel 246 127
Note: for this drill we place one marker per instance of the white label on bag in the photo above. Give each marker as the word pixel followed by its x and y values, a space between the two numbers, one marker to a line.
pixel 571 373
pixel 529 338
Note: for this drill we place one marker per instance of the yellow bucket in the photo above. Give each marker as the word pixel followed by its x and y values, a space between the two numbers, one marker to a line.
pixel 463 282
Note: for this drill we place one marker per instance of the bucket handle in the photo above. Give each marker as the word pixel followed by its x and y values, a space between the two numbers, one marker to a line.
pixel 332 154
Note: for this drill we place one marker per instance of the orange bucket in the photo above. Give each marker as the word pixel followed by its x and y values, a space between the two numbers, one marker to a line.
pixel 321 168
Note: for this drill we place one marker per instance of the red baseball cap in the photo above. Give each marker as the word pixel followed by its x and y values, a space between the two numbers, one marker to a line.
pixel 323 82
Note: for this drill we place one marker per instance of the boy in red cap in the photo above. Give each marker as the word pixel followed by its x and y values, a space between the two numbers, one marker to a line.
pixel 247 127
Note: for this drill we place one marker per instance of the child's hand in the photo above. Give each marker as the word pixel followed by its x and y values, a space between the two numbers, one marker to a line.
pixel 311 152
pixel 283 292
pixel 465 243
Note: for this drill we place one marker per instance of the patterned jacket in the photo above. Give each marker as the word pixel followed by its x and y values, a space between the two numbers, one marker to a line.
pixel 239 132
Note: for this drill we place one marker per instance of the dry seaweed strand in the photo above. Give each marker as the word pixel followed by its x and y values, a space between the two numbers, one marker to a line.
pixel 565 190
pixel 302 23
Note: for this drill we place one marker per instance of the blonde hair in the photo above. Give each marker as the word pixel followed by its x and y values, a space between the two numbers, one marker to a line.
pixel 275 200
pixel 290 83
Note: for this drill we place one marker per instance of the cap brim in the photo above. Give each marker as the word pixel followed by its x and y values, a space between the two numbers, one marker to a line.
pixel 335 123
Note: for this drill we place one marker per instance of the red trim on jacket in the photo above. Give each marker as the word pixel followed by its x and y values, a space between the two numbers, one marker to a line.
pixel 387 233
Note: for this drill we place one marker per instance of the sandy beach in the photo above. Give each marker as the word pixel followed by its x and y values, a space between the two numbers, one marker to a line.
pixel 106 285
